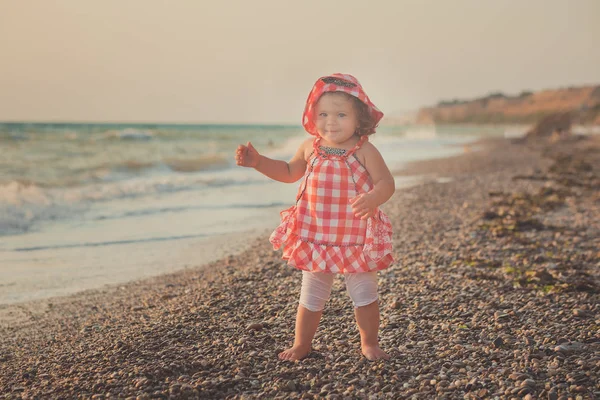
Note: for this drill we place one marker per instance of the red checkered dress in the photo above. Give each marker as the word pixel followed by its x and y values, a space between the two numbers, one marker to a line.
pixel 321 233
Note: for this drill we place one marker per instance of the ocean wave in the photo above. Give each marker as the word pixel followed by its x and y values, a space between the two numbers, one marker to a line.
pixel 18 193
pixel 24 204
pixel 129 134
pixel 178 209
pixel 203 163
pixel 287 148
pixel 134 165
pixel 14 136
pixel 101 171
pixel 109 243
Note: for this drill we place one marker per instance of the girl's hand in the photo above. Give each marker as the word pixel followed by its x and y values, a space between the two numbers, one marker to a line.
pixel 247 156
pixel 364 206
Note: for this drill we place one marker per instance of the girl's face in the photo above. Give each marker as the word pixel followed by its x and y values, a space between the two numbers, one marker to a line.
pixel 336 119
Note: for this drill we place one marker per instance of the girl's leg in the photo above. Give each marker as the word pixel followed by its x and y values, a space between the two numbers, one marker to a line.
pixel 362 288
pixel 316 289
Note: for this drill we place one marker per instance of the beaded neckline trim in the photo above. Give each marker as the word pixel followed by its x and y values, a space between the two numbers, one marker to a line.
pixel 333 151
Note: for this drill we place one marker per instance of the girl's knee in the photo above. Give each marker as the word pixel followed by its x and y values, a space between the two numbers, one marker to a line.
pixel 362 288
pixel 366 302
pixel 312 306
pixel 316 289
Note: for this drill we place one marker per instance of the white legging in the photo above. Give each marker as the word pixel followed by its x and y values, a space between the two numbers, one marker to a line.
pixel 316 288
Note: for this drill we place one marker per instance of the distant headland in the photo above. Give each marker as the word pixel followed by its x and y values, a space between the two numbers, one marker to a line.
pixel 582 103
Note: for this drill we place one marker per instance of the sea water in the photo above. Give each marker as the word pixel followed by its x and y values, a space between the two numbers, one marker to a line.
pixel 84 205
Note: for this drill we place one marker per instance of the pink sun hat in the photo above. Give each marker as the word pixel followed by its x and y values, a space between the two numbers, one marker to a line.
pixel 337 83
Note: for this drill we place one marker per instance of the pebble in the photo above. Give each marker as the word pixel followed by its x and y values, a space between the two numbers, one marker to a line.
pixel 255 327
pixel 582 313
pixel 491 308
pixel 570 348
pixel 500 315
pixel 528 383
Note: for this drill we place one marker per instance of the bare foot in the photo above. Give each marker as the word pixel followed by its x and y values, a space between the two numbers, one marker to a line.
pixel 295 353
pixel 374 353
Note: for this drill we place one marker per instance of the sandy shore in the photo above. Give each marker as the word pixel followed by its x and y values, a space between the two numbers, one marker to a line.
pixel 494 294
pixel 22 282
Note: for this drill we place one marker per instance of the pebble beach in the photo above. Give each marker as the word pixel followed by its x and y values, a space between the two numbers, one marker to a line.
pixel 494 294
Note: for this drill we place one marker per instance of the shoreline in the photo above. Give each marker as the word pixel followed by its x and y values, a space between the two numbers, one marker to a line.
pixel 208 250
pixel 112 242
pixel 69 280
pixel 454 320
pixel 68 277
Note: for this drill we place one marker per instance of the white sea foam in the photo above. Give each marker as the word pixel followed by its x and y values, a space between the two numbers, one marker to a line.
pixel 287 150
pixel 22 205
pixel 143 218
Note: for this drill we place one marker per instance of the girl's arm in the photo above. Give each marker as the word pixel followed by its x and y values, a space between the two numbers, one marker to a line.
pixel 364 205
pixel 248 156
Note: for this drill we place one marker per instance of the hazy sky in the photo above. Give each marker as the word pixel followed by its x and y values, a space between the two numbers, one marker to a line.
pixel 256 61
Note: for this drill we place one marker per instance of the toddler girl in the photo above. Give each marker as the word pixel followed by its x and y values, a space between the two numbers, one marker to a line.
pixel 335 227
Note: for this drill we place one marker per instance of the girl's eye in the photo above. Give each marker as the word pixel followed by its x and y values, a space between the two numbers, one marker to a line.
pixel 323 115
pixel 341 115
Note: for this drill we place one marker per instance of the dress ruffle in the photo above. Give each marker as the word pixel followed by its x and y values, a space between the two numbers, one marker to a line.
pixel 288 225
pixel 375 254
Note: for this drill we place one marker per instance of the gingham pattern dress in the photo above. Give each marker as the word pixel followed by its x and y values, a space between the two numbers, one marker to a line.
pixel 320 233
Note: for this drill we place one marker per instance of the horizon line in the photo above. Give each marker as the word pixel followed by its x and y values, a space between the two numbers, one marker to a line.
pixel 50 122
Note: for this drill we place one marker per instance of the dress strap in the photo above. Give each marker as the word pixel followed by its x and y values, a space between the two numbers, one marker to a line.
pixel 316 144
pixel 361 141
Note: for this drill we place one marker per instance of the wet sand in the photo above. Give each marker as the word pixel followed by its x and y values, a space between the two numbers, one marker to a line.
pixel 494 293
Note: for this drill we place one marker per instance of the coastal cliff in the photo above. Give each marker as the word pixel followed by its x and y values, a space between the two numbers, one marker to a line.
pixel 583 103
